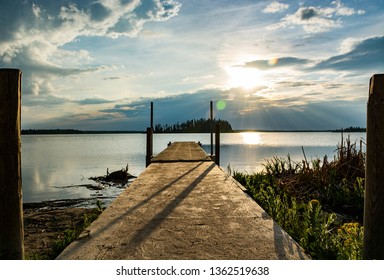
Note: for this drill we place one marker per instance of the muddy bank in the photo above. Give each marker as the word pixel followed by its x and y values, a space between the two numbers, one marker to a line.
pixel 46 221
pixel 68 203
pixel 44 227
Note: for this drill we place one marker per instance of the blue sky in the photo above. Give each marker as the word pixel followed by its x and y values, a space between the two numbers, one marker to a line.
pixel 97 65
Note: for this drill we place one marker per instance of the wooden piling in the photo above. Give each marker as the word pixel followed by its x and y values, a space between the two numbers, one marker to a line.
pixel 11 209
pixel 149 155
pixel 211 119
pixel 374 172
pixel 217 144
pixel 152 115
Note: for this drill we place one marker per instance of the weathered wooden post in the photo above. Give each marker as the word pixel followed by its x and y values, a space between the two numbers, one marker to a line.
pixel 374 172
pixel 149 155
pixel 152 115
pixel 211 122
pixel 217 144
pixel 11 207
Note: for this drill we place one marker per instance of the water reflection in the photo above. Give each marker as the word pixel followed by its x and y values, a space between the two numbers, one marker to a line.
pixel 58 166
pixel 251 138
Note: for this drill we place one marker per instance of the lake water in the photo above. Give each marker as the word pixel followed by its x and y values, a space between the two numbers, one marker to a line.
pixel 57 167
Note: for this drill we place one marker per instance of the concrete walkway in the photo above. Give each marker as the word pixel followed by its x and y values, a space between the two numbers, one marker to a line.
pixel 184 210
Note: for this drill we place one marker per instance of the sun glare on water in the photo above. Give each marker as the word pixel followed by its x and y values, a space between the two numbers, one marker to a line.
pixel 243 77
pixel 251 138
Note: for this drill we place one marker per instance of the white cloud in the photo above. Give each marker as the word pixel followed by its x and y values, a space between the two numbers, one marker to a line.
pixel 310 19
pixel 317 19
pixel 275 7
pixel 348 45
pixel 59 24
pixel 33 38
pixel 341 10
pixel 36 10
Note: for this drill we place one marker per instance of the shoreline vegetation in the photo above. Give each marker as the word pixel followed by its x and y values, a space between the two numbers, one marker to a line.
pixel 55 131
pixel 319 203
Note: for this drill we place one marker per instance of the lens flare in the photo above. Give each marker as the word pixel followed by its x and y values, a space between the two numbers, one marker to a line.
pixel 273 61
pixel 221 105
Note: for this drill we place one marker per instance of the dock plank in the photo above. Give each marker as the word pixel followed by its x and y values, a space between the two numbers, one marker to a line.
pixel 184 210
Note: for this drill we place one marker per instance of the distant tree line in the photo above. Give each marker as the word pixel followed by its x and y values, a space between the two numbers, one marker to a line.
pixel 352 129
pixel 193 126
pixel 75 131
pixel 51 131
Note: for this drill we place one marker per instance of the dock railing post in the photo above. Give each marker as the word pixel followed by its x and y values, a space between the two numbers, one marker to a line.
pixel 11 207
pixel 217 144
pixel 152 115
pixel 373 247
pixel 211 123
pixel 149 155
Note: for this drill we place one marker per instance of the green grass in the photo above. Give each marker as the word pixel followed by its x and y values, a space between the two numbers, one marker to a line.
pixel 69 235
pixel 320 204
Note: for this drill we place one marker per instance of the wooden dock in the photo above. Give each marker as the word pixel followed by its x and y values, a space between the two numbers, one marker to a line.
pixel 183 206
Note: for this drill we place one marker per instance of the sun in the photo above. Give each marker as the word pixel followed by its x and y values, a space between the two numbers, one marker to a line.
pixel 244 77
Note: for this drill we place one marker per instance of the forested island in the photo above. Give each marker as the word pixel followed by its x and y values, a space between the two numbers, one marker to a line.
pixel 193 126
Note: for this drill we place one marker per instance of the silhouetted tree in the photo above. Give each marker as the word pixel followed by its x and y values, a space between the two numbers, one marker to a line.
pixel 193 126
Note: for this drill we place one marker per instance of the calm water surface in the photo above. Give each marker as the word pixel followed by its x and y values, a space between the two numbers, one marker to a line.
pixel 56 167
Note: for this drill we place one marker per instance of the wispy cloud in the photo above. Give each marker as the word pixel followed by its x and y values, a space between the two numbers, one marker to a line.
pixel 274 63
pixel 366 55
pixel 275 7
pixel 93 101
pixel 317 19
